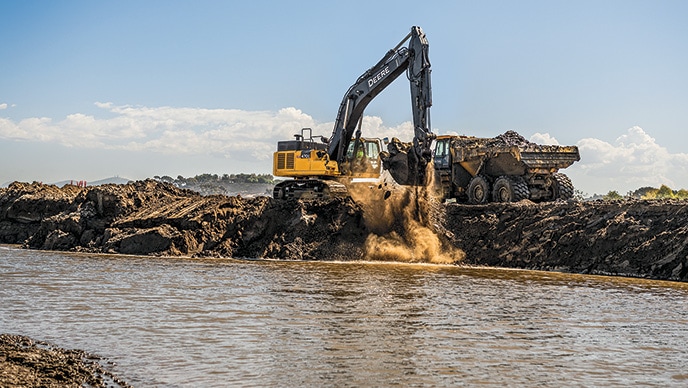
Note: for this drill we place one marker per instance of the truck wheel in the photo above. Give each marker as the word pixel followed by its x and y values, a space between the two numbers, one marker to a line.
pixel 563 187
pixel 478 190
pixel 510 189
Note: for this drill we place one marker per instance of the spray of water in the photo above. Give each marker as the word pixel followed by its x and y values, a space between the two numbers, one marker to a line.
pixel 404 222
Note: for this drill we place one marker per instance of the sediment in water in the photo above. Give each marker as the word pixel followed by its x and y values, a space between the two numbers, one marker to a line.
pixel 629 238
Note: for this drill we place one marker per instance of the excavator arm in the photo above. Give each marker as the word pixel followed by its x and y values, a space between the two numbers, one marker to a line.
pixel 407 166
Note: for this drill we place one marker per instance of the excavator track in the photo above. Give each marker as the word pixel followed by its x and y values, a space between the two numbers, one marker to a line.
pixel 308 189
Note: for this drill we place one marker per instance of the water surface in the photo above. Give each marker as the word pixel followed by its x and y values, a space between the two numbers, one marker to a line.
pixel 185 322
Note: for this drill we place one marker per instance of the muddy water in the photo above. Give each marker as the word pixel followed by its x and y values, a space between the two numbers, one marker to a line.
pixel 182 322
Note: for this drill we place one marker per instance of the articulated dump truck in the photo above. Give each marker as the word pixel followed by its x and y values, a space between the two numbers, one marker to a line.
pixel 506 168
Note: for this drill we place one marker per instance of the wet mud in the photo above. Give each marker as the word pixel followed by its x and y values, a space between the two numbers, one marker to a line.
pixel 25 362
pixel 628 238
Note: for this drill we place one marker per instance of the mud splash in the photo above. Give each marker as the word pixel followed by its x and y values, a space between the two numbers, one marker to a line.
pixel 405 224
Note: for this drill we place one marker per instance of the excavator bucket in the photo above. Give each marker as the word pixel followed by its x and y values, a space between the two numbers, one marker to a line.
pixel 403 164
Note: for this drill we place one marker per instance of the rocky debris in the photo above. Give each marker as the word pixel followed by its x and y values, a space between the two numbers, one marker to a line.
pixel 28 363
pixel 506 140
pixel 509 139
pixel 636 238
pixel 150 217
pixel 629 238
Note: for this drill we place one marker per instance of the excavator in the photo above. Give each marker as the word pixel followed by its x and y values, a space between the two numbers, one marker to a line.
pixel 322 167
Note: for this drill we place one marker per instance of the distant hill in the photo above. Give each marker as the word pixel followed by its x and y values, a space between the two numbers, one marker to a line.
pixel 115 179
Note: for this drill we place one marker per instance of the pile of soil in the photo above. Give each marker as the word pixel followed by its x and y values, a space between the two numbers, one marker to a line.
pixel 151 217
pixel 509 139
pixel 28 363
pixel 628 238
pixel 637 238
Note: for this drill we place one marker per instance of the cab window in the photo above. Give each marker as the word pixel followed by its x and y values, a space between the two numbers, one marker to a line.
pixel 442 153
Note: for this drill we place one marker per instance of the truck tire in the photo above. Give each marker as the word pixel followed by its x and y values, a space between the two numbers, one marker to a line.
pixel 478 190
pixel 563 187
pixel 510 189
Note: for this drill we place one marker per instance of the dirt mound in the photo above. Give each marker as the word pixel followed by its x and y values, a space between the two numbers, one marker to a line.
pixel 509 139
pixel 630 238
pixel 150 217
pixel 28 363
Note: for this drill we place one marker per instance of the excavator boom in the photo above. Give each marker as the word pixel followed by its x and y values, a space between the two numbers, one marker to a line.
pixel 409 168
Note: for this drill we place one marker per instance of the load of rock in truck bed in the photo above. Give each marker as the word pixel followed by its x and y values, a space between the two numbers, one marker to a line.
pixel 531 155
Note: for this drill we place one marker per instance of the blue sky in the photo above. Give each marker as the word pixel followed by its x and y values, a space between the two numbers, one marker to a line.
pixel 94 89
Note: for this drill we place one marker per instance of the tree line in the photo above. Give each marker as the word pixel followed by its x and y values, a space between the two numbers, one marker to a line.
pixel 663 192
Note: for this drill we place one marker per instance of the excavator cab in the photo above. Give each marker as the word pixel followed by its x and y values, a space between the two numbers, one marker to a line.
pixel 363 157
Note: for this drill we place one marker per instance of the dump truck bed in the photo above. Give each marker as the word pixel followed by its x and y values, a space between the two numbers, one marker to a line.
pixel 510 154
pixel 549 156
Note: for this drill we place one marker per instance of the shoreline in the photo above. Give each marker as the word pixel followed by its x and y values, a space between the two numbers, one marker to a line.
pixel 26 362
pixel 638 238
pixel 465 266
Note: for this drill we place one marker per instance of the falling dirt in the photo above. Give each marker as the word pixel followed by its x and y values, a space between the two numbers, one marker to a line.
pixel 404 224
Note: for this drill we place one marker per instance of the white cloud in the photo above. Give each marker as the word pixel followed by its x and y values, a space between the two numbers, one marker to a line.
pixel 634 160
pixel 184 131
pixel 3 106
pixel 543 138
pixel 373 126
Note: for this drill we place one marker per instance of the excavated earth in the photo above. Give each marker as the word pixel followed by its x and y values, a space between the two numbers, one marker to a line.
pixel 629 238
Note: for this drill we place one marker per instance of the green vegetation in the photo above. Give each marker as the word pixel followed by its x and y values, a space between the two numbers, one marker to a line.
pixel 613 196
pixel 579 195
pixel 226 184
pixel 663 192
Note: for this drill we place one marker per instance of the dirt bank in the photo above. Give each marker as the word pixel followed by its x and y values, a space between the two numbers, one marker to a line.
pixel 633 238
pixel 28 363
pixel 150 217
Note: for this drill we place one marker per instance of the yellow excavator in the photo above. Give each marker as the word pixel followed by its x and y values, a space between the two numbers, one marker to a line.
pixel 320 167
